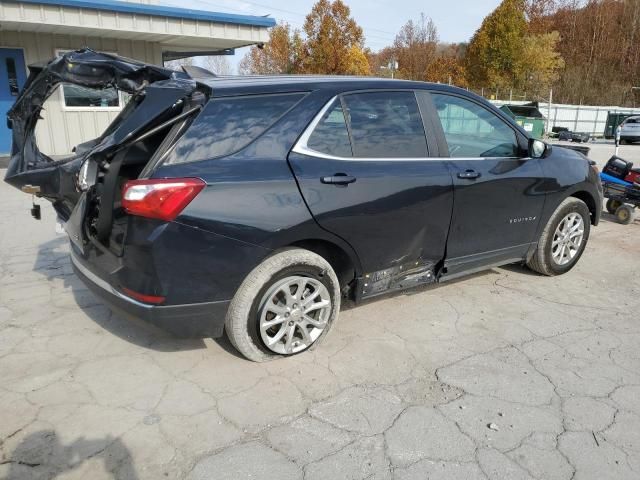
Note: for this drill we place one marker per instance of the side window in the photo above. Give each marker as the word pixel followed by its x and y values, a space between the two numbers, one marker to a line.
pixel 473 131
pixel 330 135
pixel 227 125
pixel 385 125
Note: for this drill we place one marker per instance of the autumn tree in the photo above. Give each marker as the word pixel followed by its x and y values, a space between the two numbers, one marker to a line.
pixel 494 51
pixel 539 64
pixel 415 48
pixel 447 69
pixel 380 61
pixel 334 41
pixel 283 53
pixel 599 44
pixel 538 14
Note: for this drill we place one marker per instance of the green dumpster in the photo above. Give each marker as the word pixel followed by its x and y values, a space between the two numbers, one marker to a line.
pixel 528 116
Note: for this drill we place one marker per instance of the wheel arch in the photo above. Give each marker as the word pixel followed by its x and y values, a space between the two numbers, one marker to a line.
pixel 347 267
pixel 591 203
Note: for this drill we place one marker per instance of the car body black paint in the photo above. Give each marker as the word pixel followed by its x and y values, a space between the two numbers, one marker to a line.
pixel 398 215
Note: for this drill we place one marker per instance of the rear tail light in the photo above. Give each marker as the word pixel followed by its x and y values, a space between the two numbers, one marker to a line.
pixel 141 297
pixel 162 198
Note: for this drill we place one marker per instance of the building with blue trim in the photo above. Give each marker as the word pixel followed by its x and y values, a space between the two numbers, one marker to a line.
pixel 33 31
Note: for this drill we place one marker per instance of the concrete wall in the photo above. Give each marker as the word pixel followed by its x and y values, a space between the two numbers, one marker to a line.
pixel 62 128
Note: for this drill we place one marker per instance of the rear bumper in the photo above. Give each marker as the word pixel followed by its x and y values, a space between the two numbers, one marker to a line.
pixel 190 320
pixel 630 138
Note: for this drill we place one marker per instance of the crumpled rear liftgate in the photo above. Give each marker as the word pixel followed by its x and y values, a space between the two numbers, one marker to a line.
pixel 159 95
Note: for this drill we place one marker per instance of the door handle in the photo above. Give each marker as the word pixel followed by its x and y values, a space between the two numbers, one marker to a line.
pixel 338 179
pixel 469 174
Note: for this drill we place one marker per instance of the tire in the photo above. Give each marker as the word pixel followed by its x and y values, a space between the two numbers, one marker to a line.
pixel 277 274
pixel 544 259
pixel 624 214
pixel 612 205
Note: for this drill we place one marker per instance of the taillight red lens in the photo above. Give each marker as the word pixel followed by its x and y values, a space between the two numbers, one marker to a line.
pixel 162 198
pixel 141 297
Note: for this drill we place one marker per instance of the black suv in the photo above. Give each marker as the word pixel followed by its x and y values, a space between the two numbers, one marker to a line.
pixel 256 204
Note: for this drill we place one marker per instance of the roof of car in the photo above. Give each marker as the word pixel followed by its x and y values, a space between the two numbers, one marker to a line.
pixel 227 85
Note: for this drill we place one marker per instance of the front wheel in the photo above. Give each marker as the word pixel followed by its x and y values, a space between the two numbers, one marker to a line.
pixel 285 306
pixel 563 239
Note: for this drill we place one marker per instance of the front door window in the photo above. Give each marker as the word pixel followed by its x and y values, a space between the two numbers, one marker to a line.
pixel 472 131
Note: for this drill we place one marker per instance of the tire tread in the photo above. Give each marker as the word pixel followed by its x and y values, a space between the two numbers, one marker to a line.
pixel 236 324
pixel 540 261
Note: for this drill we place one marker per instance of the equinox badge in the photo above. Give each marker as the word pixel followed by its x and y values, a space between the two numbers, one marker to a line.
pixel 521 219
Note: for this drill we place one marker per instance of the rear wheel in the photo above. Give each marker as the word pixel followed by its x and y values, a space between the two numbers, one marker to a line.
pixel 285 306
pixel 612 205
pixel 563 239
pixel 624 214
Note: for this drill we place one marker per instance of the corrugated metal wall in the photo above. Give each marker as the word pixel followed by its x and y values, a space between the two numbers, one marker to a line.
pixel 63 128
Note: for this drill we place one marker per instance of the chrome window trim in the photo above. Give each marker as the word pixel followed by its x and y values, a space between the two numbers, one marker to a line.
pixel 302 148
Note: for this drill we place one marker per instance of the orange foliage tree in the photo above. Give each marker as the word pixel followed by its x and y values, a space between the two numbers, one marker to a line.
pixel 334 41
pixel 283 53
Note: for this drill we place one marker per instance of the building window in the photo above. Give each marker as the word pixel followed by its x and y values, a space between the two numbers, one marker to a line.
pixel 77 96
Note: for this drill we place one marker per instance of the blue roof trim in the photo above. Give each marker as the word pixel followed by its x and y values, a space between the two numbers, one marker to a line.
pixel 159 11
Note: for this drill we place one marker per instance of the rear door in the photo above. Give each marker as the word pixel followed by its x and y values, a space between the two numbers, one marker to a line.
pixel 497 188
pixel 365 170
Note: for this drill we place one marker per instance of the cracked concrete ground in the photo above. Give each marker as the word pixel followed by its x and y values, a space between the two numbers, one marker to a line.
pixel 503 375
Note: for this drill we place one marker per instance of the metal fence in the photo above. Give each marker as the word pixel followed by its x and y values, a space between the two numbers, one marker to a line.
pixel 577 118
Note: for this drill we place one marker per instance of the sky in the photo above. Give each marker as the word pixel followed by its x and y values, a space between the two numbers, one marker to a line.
pixel 381 20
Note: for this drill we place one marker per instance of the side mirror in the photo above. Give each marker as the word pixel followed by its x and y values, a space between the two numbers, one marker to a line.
pixel 538 149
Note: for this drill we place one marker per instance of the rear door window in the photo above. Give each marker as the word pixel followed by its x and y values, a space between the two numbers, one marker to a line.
pixel 330 135
pixel 227 125
pixel 371 125
pixel 385 125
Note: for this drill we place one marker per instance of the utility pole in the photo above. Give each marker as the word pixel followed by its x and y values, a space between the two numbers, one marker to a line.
pixel 549 111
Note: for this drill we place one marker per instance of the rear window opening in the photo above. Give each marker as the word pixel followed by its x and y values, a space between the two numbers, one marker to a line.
pixel 105 221
pixel 86 112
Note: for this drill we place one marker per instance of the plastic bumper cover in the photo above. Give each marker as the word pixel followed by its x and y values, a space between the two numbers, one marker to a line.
pixel 190 320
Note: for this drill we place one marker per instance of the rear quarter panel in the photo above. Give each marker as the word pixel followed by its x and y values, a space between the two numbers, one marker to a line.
pixel 252 195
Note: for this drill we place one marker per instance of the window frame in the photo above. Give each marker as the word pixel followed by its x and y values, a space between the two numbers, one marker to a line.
pixel 301 147
pixel 63 103
pixel 239 96
pixel 521 139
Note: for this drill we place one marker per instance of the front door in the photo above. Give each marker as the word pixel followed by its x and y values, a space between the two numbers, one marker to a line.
pixel 12 78
pixel 498 197
pixel 364 170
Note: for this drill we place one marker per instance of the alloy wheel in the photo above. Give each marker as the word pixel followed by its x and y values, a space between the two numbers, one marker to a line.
pixel 293 314
pixel 567 238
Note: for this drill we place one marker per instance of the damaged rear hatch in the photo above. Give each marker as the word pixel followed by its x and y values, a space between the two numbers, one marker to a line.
pixel 85 186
